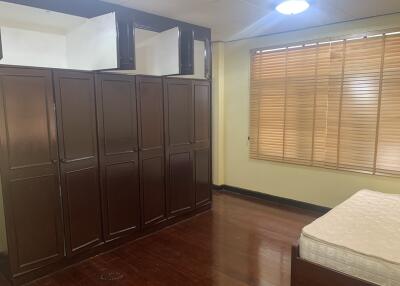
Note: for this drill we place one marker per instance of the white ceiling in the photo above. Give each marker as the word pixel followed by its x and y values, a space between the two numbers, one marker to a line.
pixel 236 19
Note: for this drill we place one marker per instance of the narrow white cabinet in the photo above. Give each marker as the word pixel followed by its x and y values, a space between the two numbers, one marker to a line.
pixel 196 58
pixel 157 53
pixel 166 53
pixel 201 56
pixel 93 45
pixel 36 37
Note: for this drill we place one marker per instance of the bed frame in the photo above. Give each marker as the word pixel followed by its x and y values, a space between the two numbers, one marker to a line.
pixel 305 273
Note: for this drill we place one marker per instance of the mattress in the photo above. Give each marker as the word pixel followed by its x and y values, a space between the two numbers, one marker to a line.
pixel 360 237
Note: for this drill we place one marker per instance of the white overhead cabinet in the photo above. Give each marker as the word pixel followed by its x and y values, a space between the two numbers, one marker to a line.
pixel 199 59
pixel 40 38
pixel 165 53
pixel 200 65
pixel 169 53
pixel 157 53
pixel 93 45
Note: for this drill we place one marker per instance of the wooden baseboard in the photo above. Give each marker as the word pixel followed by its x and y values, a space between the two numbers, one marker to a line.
pixel 217 187
pixel 271 198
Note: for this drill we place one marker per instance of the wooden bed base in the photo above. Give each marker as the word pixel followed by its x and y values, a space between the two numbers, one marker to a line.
pixel 305 273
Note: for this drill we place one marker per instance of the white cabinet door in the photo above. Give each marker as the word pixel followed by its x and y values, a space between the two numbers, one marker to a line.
pixel 93 45
pixel 157 53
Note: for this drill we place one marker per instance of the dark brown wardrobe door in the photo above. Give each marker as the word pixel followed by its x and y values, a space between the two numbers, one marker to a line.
pixel 179 111
pixel 151 149
pixel 29 169
pixel 76 120
pixel 202 141
pixel 202 159
pixel 202 112
pixel 118 146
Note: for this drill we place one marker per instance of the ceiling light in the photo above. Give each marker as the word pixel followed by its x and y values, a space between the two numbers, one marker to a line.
pixel 292 7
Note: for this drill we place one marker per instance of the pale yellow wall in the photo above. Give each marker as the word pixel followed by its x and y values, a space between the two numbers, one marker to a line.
pixel 313 185
pixel 218 113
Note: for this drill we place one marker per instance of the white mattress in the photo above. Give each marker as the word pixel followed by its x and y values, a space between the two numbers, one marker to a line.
pixel 360 237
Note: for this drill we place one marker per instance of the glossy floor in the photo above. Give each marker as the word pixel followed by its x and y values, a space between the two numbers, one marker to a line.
pixel 240 242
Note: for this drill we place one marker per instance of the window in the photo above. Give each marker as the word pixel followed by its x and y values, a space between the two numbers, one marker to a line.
pixel 329 104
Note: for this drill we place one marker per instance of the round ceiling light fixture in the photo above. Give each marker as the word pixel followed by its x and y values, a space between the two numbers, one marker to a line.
pixel 292 7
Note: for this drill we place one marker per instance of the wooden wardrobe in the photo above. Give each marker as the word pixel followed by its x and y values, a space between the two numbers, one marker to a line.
pixel 119 154
pixel 91 160
pixel 187 124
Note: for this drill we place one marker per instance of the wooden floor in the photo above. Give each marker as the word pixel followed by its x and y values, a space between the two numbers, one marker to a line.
pixel 240 242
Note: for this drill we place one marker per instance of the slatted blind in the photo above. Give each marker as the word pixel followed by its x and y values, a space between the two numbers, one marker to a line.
pixel 388 145
pixel 330 104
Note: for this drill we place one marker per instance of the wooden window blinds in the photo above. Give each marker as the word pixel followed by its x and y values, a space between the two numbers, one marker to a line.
pixel 330 104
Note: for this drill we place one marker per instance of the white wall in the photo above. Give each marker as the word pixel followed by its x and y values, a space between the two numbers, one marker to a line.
pixel 24 47
pixel 308 184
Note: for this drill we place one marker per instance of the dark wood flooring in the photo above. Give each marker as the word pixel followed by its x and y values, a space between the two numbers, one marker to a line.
pixel 240 242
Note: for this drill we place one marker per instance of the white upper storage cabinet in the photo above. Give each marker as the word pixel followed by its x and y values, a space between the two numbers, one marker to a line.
pixel 157 53
pixel 169 53
pixel 41 38
pixel 199 61
pixel 93 45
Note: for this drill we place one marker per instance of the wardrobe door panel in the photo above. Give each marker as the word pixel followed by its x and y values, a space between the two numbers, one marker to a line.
pixel 202 141
pixel 202 111
pixel 202 176
pixel 179 100
pixel 181 182
pixel 76 100
pixel 118 101
pixel 83 207
pixel 152 183
pixel 150 94
pixel 118 143
pixel 34 205
pixel 179 112
pixel 151 146
pixel 29 169
pixel 25 99
pixel 76 119
pixel 123 201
